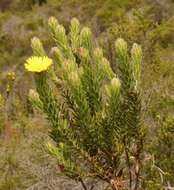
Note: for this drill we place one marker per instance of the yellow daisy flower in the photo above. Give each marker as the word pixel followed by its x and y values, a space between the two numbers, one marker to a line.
pixel 38 64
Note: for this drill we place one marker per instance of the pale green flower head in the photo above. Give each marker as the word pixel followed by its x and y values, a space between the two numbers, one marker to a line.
pixel 113 89
pixel 33 95
pixel 121 46
pixel 56 52
pixel 115 83
pixel 136 52
pixel 86 38
pixel 107 68
pixel 86 32
pixel 136 59
pixel 75 24
pixel 37 47
pixel 52 22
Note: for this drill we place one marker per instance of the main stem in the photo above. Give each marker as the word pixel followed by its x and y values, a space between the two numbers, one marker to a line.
pixel 129 165
pixel 83 184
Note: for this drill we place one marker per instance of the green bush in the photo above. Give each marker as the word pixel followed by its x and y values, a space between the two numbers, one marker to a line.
pixel 95 116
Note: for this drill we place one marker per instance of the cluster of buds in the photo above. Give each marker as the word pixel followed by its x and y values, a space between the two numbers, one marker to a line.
pixel 11 76
pixel 10 81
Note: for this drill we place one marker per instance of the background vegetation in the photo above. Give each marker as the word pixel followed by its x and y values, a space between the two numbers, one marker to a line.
pixel 24 161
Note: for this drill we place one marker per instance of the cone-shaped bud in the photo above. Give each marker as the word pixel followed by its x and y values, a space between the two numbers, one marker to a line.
pixel 34 99
pixel 60 35
pixel 74 78
pixel 74 34
pixel 102 63
pixel 61 30
pixel 52 23
pixel 69 66
pixel 33 95
pixel 115 83
pixel 37 47
pixel 86 38
pixel 136 59
pixel 136 52
pixel 75 25
pixel 121 46
pixel 107 68
pixel 57 54
pixel 98 53
pixel 113 89
pixel 125 70
pixel 58 32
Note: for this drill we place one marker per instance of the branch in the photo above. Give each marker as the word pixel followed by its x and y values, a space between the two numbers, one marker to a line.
pixel 82 183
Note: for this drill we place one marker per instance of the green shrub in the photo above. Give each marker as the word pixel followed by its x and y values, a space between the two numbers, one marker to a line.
pixel 95 116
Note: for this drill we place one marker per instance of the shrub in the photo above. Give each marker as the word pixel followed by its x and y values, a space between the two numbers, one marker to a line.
pixel 95 115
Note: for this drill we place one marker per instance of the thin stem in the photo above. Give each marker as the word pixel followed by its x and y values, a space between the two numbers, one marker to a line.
pixel 83 184
pixel 129 165
pixel 137 174
pixel 114 188
pixel 138 163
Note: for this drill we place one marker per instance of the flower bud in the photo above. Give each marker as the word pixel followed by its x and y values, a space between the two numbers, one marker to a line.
pixel 57 55
pixel 58 32
pixel 115 83
pixel 121 46
pixel 69 66
pixel 86 38
pixel 52 23
pixel 61 30
pixel 75 25
pixel 86 32
pixel 33 95
pixel 98 53
pixel 74 78
pixel 37 47
pixel 113 89
pixel 136 52
pixel 60 37
pixel 136 59
pixel 74 34
pixel 107 68
pixel 11 76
